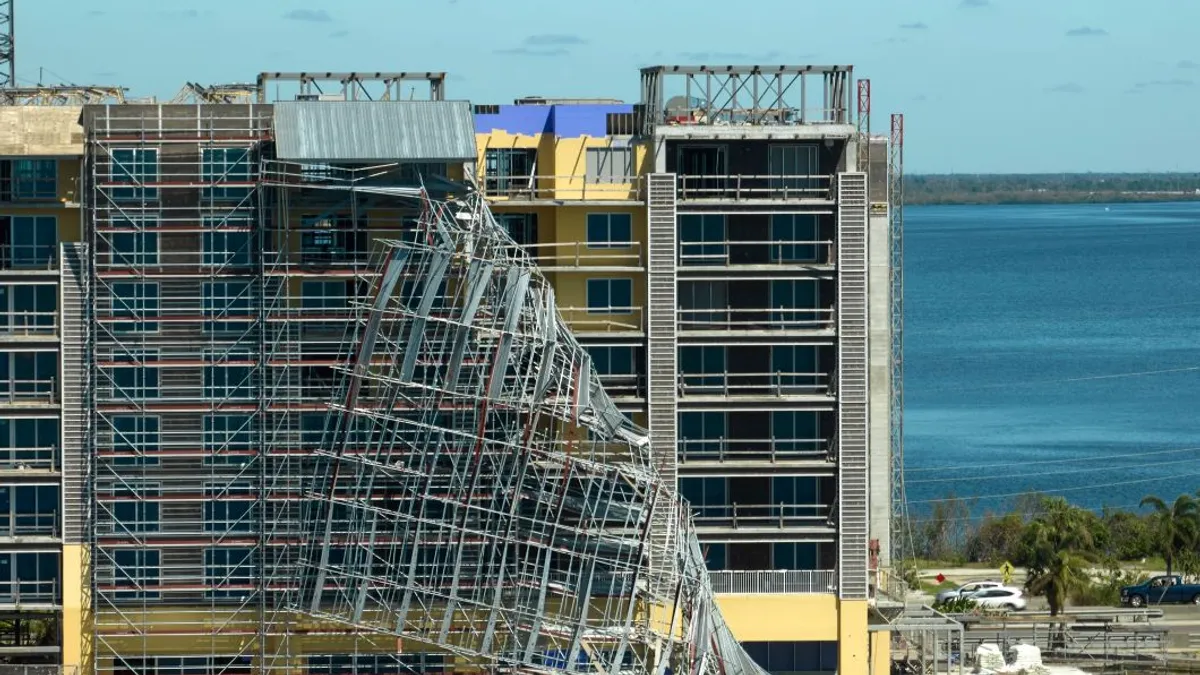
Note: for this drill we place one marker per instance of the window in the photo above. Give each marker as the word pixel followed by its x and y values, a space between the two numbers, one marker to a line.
pixel 29 443
pixel 28 307
pixel 138 570
pixel 522 227
pixel 229 572
pixel 708 361
pixel 804 657
pixel 702 239
pixel 609 230
pixel 798 492
pixel 610 296
pixel 789 299
pixel 226 248
pixel 613 360
pixel 228 439
pixel 227 508
pixel 133 168
pixel 219 166
pixel 34 180
pixel 133 249
pixel 330 239
pixel 796 431
pixel 225 300
pixel 705 492
pixel 29 241
pixel 135 440
pixel 135 381
pixel 325 295
pixel 228 375
pixel 793 168
pixel 702 433
pixel 29 510
pixel 28 375
pixel 29 577
pixel 795 366
pixel 795 555
pixel 793 237
pixel 135 510
pixel 509 170
pixel 610 165
pixel 137 301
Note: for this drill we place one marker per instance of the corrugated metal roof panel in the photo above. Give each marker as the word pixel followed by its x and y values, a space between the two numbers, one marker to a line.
pixel 346 131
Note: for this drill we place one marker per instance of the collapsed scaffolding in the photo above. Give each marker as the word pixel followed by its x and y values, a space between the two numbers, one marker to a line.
pixel 476 489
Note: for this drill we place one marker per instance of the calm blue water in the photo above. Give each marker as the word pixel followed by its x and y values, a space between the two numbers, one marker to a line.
pixel 1039 341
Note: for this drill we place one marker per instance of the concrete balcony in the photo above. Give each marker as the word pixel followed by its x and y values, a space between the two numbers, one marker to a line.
pixel 773 581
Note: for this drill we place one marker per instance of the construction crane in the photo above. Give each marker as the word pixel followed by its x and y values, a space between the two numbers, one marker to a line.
pixel 8 60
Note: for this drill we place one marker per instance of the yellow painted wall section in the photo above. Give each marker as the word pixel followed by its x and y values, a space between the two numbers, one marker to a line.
pixel 881 653
pixel 76 647
pixel 853 639
pixel 498 139
pixel 571 230
pixel 786 617
pixel 570 162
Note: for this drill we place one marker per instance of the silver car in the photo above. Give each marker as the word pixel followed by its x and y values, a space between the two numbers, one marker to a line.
pixel 966 589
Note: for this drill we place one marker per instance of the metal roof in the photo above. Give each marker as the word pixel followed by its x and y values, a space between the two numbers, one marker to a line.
pixel 348 131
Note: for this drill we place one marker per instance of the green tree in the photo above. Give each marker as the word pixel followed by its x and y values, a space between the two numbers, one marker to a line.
pixel 1175 527
pixel 1053 549
pixel 1062 574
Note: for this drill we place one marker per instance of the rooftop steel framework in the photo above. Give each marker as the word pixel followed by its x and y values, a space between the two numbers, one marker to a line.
pixel 62 94
pixel 383 86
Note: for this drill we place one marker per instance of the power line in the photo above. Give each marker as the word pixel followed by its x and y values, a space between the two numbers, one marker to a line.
pixel 1067 380
pixel 1156 479
pixel 1049 473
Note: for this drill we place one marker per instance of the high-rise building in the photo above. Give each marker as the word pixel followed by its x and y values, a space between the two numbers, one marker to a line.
pixel 721 248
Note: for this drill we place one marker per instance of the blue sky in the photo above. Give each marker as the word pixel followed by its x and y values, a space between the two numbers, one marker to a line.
pixel 986 85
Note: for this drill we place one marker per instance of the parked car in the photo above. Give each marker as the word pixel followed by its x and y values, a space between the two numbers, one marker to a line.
pixel 1004 597
pixel 965 590
pixel 1161 590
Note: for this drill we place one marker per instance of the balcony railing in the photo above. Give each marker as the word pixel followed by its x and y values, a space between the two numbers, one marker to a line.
pixel 737 253
pixel 779 515
pixel 612 320
pixel 780 319
pixel 773 581
pixel 28 324
pixel 42 458
pixel 623 385
pixel 760 188
pixel 27 392
pixel 566 188
pixel 752 450
pixel 777 384
pixel 579 255
pixel 19 592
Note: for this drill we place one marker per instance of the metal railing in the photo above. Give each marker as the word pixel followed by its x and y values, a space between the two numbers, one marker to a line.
pixel 29 258
pixel 765 188
pixel 771 581
pixel 612 320
pixel 569 188
pixel 25 459
pixel 23 392
pixel 777 384
pixel 624 385
pixel 761 515
pixel 745 450
pixel 19 591
pixel 580 254
pixel 29 524
pixel 734 253
pixel 28 324
pixel 756 319
pixel 18 669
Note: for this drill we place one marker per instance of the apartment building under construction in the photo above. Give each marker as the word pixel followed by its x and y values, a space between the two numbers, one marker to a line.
pixel 725 250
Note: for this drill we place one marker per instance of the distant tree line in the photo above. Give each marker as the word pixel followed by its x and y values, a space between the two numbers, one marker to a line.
pixel 1061 188
pixel 1061 545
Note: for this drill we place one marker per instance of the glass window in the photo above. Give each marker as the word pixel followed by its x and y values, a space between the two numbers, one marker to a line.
pixel 34 179
pixel 613 360
pixel 29 510
pixel 229 572
pixel 795 366
pixel 28 375
pixel 794 238
pixel 795 556
pixel 702 239
pixel 226 248
pixel 132 170
pixel 221 166
pixel 225 300
pixel 28 442
pixel 228 375
pixel 228 439
pixel 138 570
pixel 134 249
pixel 796 431
pixel 136 301
pixel 135 381
pixel 28 307
pixel 325 295
pixel 610 296
pixel 135 440
pixel 701 433
pixel 135 510
pixel 228 508
pixel 29 577
pixel 33 241
pixel 609 230
pixel 790 295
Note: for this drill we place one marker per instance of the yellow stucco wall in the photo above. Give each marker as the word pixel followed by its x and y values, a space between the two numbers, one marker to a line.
pixel 881 653
pixel 76 647
pixel 783 617
pixel 853 639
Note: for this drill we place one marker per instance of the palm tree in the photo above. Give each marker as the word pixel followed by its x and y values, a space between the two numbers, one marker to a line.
pixel 1175 527
pixel 1053 547
pixel 1061 574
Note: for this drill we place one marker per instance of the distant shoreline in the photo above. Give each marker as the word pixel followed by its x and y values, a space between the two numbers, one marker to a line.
pixel 1012 189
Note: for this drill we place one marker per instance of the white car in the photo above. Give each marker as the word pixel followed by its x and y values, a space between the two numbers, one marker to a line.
pixel 1004 597
pixel 966 589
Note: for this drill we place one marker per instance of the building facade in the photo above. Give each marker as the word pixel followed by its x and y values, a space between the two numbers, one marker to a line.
pixel 172 351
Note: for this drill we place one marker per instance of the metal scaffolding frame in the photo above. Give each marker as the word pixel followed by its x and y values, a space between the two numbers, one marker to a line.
pixel 350 86
pixel 8 53
pixel 902 544
pixel 294 451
